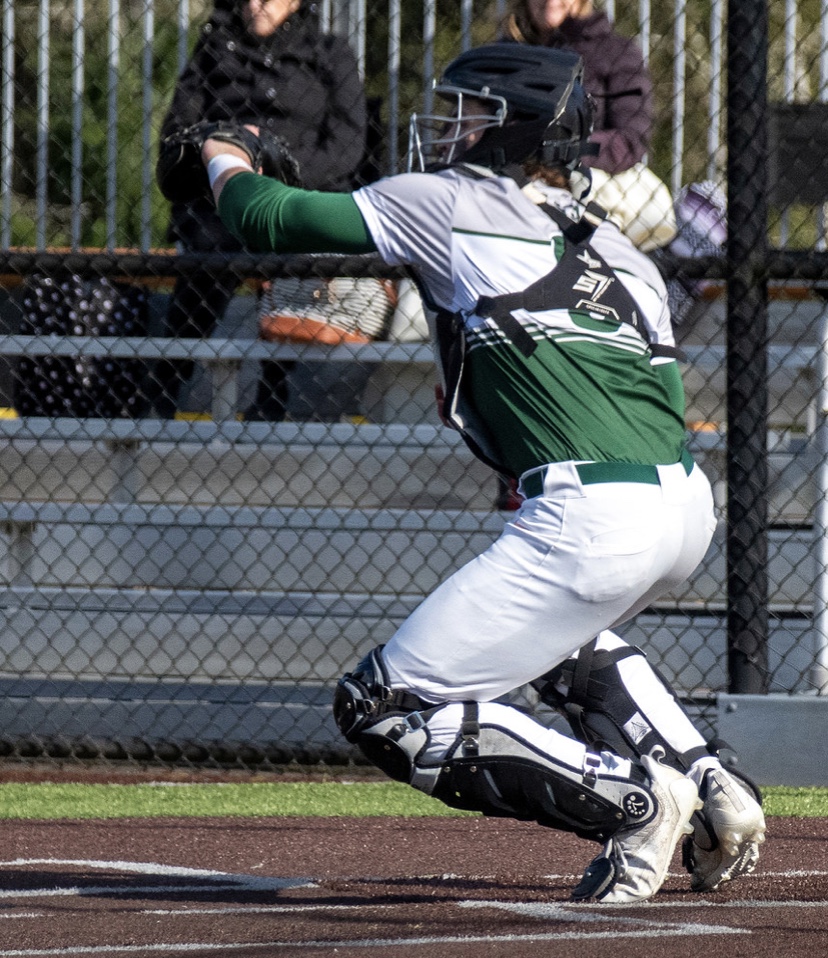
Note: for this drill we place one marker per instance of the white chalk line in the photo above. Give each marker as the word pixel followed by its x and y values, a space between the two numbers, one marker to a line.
pixel 210 880
pixel 564 912
pixel 569 912
pixel 709 903
pixel 633 928
pixel 110 891
pixel 258 909
pixel 345 944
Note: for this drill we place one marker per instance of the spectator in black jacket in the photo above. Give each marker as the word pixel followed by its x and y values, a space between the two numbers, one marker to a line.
pixel 263 62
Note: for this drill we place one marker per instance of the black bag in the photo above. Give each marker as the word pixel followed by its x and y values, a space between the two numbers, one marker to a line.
pixel 81 386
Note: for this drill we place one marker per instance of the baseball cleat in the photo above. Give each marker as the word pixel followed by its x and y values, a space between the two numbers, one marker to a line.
pixel 727 832
pixel 633 864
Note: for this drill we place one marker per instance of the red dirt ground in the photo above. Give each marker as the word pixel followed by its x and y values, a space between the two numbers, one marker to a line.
pixel 413 888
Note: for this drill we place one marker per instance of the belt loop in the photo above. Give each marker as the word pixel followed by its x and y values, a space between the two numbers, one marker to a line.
pixel 532 484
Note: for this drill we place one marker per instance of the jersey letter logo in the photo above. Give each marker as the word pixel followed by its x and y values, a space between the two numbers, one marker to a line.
pixel 592 283
pixel 584 257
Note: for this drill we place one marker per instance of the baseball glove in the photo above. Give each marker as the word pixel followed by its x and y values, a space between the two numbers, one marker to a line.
pixel 180 172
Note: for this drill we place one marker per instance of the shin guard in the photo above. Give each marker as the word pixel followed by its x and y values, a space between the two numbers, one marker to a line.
pixel 504 776
pixel 602 711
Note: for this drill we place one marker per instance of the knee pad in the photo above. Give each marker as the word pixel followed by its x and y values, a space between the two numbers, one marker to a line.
pixel 394 744
pixel 589 692
pixel 364 696
pixel 387 725
pixel 508 778
pixel 490 769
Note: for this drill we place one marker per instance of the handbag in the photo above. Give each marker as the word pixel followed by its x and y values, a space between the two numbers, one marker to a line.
pixel 639 203
pixel 326 311
pixel 701 215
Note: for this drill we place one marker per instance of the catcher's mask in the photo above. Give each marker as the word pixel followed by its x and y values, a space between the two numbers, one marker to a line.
pixel 509 103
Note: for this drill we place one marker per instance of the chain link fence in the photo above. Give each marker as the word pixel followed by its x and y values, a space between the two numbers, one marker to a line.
pixel 201 529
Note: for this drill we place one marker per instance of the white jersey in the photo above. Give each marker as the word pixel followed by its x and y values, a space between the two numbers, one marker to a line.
pixel 468 237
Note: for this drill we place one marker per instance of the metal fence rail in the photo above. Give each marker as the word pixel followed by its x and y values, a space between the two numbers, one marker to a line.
pixel 338 531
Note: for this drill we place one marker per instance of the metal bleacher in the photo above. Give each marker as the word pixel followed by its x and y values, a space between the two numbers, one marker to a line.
pixel 228 571
pixel 235 566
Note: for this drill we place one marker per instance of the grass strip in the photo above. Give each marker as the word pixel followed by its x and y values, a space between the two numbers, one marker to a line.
pixel 45 800
pixel 318 799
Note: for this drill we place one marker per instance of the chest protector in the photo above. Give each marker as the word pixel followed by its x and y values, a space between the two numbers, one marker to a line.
pixel 580 281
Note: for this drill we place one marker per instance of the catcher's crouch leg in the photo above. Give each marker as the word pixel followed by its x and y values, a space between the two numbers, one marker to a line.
pixel 613 698
pixel 492 758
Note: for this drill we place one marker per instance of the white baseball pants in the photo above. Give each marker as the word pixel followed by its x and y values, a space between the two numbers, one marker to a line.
pixel 573 562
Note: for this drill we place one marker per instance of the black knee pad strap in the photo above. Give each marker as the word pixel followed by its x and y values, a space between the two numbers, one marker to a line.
pixel 599 709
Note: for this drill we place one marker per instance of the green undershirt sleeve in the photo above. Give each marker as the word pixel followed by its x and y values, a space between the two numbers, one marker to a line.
pixel 670 374
pixel 269 216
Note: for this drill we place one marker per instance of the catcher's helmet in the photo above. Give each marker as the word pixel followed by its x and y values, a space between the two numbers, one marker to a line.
pixel 536 106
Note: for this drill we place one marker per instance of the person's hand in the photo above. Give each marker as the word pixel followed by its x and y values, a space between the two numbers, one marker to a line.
pixel 213 148
pixel 272 158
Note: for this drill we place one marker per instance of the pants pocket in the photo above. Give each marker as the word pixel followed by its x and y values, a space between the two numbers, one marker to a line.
pixel 616 562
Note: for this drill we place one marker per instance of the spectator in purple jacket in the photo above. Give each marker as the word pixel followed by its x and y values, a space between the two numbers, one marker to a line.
pixel 614 73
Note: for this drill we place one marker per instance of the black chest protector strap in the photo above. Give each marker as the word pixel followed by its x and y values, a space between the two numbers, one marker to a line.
pixel 581 281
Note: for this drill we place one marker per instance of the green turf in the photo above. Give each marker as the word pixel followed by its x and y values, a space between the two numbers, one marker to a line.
pixel 47 800
pixel 59 800
pixel 799 802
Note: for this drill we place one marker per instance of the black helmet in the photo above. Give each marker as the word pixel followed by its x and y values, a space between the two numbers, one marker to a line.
pixel 538 108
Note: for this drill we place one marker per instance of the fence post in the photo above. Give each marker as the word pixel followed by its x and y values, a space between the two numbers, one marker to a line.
pixel 819 670
pixel 747 330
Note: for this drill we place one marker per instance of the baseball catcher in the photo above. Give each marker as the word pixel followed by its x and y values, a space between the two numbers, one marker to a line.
pixel 181 175
pixel 558 368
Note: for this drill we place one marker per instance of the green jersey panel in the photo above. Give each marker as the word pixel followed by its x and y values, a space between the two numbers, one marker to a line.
pixel 574 400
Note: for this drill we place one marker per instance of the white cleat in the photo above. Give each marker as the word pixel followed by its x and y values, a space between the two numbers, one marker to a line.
pixel 633 865
pixel 727 832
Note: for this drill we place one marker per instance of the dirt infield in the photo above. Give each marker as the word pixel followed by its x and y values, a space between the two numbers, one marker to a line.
pixel 416 888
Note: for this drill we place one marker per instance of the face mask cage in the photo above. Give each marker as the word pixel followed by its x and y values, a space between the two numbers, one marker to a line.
pixel 435 138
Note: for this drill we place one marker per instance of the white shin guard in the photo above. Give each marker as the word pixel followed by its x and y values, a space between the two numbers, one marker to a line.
pixel 491 768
